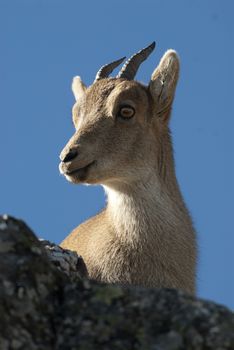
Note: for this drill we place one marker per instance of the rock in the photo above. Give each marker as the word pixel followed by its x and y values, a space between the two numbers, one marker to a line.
pixel 65 260
pixel 47 303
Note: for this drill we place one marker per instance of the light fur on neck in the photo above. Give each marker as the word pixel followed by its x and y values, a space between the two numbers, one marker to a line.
pixel 139 210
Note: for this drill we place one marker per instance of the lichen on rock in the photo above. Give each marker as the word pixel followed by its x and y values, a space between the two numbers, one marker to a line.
pixel 47 303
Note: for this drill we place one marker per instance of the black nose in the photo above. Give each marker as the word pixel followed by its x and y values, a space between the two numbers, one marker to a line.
pixel 70 155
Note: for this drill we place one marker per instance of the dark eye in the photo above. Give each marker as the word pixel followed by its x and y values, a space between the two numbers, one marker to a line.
pixel 126 112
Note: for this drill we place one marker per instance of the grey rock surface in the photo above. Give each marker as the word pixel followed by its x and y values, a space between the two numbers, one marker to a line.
pixel 46 303
pixel 65 260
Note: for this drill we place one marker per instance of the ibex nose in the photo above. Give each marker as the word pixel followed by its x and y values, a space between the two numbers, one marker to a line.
pixel 67 157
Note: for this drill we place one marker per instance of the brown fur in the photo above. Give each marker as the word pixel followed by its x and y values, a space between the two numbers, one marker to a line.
pixel 144 236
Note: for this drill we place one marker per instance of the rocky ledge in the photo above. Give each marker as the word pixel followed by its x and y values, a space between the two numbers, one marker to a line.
pixel 46 303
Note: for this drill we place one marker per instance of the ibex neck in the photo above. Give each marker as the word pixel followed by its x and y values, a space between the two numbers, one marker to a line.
pixel 139 210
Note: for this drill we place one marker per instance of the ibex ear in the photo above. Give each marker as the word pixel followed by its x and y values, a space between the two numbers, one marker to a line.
pixel 78 87
pixel 163 83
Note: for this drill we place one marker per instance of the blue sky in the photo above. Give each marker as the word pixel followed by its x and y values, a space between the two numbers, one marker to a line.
pixel 45 43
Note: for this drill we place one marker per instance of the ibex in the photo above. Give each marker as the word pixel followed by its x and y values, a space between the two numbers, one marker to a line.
pixel 144 236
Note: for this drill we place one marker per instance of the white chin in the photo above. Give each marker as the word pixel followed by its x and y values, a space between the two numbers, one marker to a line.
pixel 69 178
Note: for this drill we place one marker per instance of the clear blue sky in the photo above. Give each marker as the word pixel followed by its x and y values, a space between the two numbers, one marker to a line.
pixel 45 43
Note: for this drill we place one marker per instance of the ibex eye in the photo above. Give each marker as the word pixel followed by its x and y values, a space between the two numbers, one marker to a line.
pixel 126 112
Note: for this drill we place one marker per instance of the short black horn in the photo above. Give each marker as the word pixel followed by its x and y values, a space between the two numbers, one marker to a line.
pixel 104 71
pixel 130 68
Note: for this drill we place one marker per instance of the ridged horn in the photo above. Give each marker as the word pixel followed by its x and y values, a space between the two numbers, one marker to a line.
pixel 104 71
pixel 130 68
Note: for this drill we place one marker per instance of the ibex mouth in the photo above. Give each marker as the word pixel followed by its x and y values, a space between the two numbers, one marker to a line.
pixel 80 173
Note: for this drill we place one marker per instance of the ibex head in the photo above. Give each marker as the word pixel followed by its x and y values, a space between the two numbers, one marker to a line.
pixel 119 122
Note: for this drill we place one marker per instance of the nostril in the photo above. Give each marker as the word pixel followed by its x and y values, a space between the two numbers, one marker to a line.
pixel 70 155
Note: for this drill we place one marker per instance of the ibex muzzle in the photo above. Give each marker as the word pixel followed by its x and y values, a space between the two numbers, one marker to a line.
pixel 69 155
pixel 145 235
